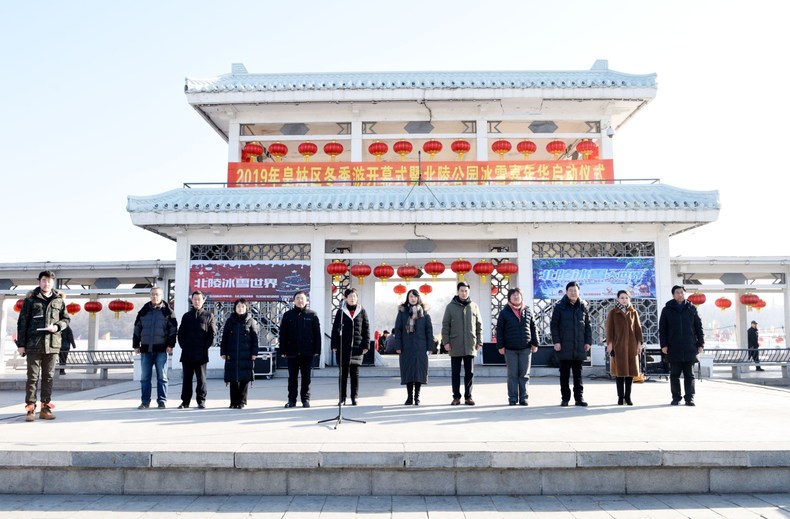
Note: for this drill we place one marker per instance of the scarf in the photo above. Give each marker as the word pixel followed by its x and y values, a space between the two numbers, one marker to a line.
pixel 621 307
pixel 415 312
pixel 518 310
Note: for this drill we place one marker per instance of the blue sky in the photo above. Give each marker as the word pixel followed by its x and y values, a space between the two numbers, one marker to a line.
pixel 94 108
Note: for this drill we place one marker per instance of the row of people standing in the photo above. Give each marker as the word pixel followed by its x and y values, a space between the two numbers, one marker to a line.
pixel 300 343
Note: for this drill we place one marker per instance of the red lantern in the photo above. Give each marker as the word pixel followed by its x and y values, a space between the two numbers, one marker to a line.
pixel 461 147
pixel 507 269
pixel 278 150
pixel 117 306
pixel 377 149
pixel 336 269
pixel 526 148
pixel 361 271
pixel 697 298
pixel 434 268
pixel 501 147
pixel 129 307
pixel 252 149
pixel 92 307
pixel 494 291
pixel 723 303
pixel 556 148
pixel 333 149
pixel 399 289
pixel 407 272
pixel 73 308
pixel 432 147
pixel 586 148
pixel 759 305
pixel 402 148
pixel 18 305
pixel 483 268
pixel 307 150
pixel 460 267
pixel 245 157
pixel 425 289
pixel 383 272
pixel 749 299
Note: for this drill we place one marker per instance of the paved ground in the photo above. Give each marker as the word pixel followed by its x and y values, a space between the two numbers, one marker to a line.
pixel 400 507
pixel 728 414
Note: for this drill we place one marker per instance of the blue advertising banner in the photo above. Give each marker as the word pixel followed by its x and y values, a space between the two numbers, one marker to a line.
pixel 599 278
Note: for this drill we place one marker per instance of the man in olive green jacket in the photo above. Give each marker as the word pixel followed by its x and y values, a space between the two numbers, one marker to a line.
pixel 462 336
pixel 42 319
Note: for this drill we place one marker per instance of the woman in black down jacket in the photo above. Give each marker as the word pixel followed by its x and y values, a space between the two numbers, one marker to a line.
pixel 239 348
pixel 413 342
pixel 517 340
pixel 356 342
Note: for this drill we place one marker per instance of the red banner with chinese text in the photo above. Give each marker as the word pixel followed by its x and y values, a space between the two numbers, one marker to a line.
pixel 281 174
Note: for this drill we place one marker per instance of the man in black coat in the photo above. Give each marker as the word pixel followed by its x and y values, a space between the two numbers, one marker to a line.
pixel 195 336
pixel 682 339
pixel 753 343
pixel 300 342
pixel 572 336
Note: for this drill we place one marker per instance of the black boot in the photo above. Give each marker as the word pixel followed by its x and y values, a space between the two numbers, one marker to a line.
pixel 627 397
pixel 417 393
pixel 620 381
pixel 410 392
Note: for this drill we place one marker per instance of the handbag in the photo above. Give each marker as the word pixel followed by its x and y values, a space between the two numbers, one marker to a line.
pixel 356 360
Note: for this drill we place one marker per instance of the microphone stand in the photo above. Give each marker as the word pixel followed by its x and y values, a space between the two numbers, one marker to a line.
pixel 339 418
pixel 420 182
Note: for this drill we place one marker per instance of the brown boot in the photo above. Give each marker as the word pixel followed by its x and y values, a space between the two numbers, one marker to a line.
pixel 46 412
pixel 31 412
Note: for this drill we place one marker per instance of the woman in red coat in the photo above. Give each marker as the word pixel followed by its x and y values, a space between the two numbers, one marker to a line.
pixel 623 344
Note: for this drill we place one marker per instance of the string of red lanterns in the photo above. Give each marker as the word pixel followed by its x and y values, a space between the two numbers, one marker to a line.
pixel 434 268
pixel 252 151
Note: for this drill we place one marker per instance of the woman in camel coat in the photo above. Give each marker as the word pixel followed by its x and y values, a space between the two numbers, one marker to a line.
pixel 623 344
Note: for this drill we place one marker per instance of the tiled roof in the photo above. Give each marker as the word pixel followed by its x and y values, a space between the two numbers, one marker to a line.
pixel 543 198
pixel 240 81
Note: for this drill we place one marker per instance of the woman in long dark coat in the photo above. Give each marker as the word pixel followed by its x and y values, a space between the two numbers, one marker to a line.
pixel 623 342
pixel 413 342
pixel 351 322
pixel 239 348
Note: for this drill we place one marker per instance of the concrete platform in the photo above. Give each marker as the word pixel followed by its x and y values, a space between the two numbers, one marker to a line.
pixel 735 440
